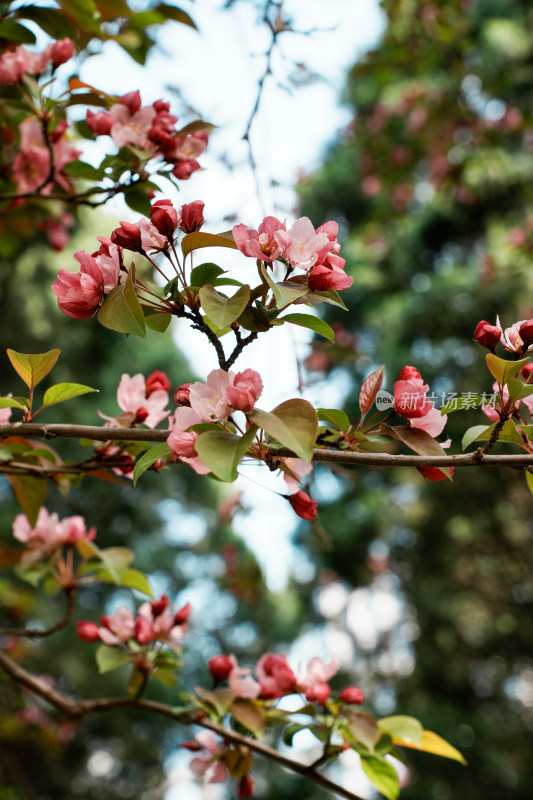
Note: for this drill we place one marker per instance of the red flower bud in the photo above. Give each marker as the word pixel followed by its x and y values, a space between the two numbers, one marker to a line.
pixel 352 695
pixel 181 395
pixel 61 52
pixel 487 335
pixel 141 415
pixel 157 380
pixel 409 372
pixel 128 236
pixel 87 631
pixel 183 614
pixel 526 332
pixel 165 217
pixel 433 473
pixel 220 667
pixel 526 371
pixel 184 169
pixel 143 631
pixel 318 693
pixel 246 786
pixel 100 123
pixel 158 606
pixel 132 100
pixel 161 106
pixel 303 505
pixel 192 216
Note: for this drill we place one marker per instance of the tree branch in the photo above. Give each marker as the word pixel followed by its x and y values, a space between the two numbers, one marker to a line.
pixel 355 458
pixel 78 709
pixel 33 632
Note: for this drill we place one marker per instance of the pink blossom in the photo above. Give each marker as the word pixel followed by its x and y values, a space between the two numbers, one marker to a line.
pixel 433 422
pixel 189 147
pixel 5 413
pixel 209 399
pixel 31 166
pixel 181 441
pixel 410 398
pixel 511 338
pixel 317 672
pixel 209 767
pixel 49 532
pixel 156 621
pixel 294 469
pixel 80 295
pixel 260 243
pixel 132 398
pixel 275 676
pixel 247 387
pixel 301 245
pixel 330 275
pixel 12 67
pixel 132 127
pixel 185 168
pixel 151 239
pixel 118 627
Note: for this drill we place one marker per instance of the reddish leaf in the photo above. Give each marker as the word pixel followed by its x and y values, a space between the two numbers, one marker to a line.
pixel 369 390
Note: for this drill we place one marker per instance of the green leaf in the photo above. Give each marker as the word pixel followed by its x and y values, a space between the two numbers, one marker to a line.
pixel 290 731
pixel 51 20
pixel 33 368
pixel 148 458
pixel 529 481
pixel 331 296
pixel 134 579
pixel 382 774
pixel 10 402
pixel 205 273
pixel 285 292
pixel 313 323
pixel 64 391
pixel 518 389
pixel 222 451
pixel 223 310
pixel 109 658
pixel 122 311
pixel 250 715
pixel 30 493
pixel 196 240
pixel 219 699
pixel 472 434
pixel 508 433
pixel 252 319
pixel 335 416
pixel 176 14
pixel 166 676
pixel 137 199
pixel 408 729
pixel 158 322
pixel 294 424
pixel 501 369
pixel 80 169
pixel 14 32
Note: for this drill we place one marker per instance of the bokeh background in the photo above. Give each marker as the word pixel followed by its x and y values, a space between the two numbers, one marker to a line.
pixel 424 592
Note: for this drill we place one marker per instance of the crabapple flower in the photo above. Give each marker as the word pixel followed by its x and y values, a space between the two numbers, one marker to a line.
pixel 61 51
pixel 275 676
pixel 156 622
pixel 181 440
pixel 260 243
pixel 512 339
pixel 5 414
pixel 134 399
pixel 209 399
pixel 221 666
pixel 294 469
pixel 247 387
pixel 80 295
pixel 164 217
pixel 32 168
pixel 318 672
pixel 157 380
pixel 433 422
pixel 209 767
pixel 191 216
pixel 410 399
pixel 302 245
pixel 487 335
pixel 49 532
pixel 100 122
pixel 118 627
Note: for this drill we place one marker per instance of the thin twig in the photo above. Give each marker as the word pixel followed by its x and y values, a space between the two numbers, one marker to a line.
pixel 35 632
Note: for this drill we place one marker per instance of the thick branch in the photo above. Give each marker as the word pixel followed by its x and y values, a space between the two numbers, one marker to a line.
pixel 100 434
pixel 78 709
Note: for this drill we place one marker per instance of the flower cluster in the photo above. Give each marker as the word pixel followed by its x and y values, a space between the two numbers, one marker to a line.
pixel 81 294
pixel 142 401
pixel 518 338
pixel 301 247
pixel 213 401
pixel 50 533
pixel 15 64
pixel 154 622
pixel 150 130
pixel 410 401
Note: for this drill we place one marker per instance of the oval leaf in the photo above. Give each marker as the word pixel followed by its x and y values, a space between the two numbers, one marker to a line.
pixel 122 311
pixel 369 390
pixel 109 658
pixel 433 743
pixel 222 451
pixel 501 369
pixel 335 416
pixel 196 240
pixel 148 458
pixel 294 424
pixel 64 391
pixel 32 368
pixel 363 728
pixel 285 292
pixel 223 310
pixel 382 774
pixel 408 729
pixel 205 273
pixel 313 323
